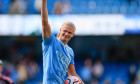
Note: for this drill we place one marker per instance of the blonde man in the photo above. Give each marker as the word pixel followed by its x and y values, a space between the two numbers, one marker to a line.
pixel 58 57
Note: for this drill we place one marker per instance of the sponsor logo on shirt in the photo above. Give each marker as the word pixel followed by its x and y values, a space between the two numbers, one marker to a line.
pixel 63 59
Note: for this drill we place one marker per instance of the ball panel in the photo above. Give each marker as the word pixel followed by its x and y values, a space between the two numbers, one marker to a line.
pixel 72 80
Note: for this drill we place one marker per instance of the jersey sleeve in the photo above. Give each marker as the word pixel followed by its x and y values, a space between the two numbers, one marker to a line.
pixel 72 57
pixel 47 42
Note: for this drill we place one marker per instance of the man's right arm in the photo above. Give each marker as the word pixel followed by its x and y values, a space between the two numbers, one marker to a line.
pixel 46 29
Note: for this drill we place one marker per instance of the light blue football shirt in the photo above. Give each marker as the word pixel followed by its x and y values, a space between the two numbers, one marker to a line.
pixel 56 58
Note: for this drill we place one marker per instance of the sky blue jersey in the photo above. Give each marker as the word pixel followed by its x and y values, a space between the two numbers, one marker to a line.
pixel 56 58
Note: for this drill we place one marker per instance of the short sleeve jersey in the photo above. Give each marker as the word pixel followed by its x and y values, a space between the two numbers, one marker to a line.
pixel 56 58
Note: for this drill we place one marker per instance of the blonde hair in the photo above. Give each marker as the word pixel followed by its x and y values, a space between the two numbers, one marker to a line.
pixel 69 24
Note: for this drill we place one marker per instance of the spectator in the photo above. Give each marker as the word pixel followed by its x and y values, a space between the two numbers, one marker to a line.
pixel 18 7
pixel 4 79
pixel 138 75
pixel 66 7
pixel 37 6
pixel 61 7
pixel 85 72
pixel 22 71
pixel 13 73
pixel 57 8
pixel 132 74
pixel 32 69
pixel 97 70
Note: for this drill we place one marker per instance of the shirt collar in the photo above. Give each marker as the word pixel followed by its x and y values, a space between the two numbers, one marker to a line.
pixel 62 43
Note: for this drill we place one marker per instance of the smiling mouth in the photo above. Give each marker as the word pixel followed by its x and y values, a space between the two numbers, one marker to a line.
pixel 66 37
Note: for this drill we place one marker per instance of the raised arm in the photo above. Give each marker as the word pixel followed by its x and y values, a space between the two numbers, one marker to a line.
pixel 46 29
pixel 71 72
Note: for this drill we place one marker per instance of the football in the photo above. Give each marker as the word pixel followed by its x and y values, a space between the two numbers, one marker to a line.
pixel 72 80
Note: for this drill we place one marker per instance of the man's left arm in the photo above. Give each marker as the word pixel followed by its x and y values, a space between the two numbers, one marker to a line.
pixel 71 72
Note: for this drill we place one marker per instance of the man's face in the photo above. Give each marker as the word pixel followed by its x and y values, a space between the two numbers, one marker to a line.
pixel 66 33
pixel 1 68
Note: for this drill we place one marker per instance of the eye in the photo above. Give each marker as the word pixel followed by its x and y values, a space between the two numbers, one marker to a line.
pixel 65 31
pixel 70 33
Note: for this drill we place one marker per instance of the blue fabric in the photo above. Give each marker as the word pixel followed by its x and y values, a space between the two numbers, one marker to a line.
pixel 56 58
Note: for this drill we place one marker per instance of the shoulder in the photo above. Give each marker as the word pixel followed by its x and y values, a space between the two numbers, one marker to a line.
pixel 7 79
pixel 70 50
pixel 50 38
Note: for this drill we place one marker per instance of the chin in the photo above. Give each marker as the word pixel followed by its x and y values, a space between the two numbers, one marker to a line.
pixel 66 39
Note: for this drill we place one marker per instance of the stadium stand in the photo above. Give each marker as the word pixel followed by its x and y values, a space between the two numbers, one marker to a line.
pixel 81 6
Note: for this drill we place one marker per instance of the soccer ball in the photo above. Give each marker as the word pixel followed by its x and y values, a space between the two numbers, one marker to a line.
pixel 72 80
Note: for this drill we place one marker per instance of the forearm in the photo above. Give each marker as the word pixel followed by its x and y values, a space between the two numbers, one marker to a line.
pixel 46 31
pixel 44 11
pixel 72 72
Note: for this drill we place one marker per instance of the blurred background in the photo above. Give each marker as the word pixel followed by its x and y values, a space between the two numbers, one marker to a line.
pixel 106 44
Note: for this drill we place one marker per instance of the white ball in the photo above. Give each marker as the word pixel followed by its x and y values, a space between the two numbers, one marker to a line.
pixel 72 80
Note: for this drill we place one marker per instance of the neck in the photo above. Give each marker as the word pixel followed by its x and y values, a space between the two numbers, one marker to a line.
pixel 63 41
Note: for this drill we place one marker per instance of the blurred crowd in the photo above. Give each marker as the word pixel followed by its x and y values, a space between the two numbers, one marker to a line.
pixel 71 7
pixel 32 7
pixel 99 72
pixel 26 69
pixel 21 60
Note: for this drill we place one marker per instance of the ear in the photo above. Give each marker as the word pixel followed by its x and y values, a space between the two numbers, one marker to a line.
pixel 73 34
pixel 60 29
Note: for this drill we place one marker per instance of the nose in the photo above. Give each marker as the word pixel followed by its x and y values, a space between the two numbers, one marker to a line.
pixel 66 33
